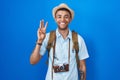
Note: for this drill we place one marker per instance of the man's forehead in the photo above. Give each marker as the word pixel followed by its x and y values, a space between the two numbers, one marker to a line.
pixel 62 12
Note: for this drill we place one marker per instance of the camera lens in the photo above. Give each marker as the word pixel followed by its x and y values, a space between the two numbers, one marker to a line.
pixel 61 67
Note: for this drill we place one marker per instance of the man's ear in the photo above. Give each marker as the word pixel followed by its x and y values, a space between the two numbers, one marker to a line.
pixel 70 20
pixel 55 19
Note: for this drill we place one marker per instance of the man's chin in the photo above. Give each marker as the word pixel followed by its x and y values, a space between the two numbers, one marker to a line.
pixel 62 28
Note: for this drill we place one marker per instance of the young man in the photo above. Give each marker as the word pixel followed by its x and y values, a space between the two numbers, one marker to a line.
pixel 62 56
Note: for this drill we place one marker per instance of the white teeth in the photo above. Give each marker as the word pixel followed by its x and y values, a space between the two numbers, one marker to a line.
pixel 62 23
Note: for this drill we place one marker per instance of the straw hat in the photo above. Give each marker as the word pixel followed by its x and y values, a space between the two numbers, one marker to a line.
pixel 62 5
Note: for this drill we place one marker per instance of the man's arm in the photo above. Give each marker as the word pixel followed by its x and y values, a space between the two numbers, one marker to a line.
pixel 82 69
pixel 41 33
pixel 35 56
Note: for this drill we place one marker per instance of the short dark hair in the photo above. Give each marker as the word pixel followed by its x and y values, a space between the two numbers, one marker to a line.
pixel 64 9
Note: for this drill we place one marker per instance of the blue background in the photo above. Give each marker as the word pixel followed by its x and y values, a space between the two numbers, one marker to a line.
pixel 98 21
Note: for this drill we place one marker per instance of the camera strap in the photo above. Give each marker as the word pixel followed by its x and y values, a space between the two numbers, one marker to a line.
pixel 69 53
pixel 54 54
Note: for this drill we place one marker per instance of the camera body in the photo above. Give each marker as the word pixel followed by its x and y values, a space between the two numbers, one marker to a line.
pixel 61 68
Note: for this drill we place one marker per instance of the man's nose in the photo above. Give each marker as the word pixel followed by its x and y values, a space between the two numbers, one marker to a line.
pixel 62 18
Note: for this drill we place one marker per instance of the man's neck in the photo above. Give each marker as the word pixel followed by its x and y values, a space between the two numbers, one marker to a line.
pixel 64 33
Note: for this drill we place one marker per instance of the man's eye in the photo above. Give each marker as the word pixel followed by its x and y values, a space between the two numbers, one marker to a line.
pixel 58 16
pixel 66 16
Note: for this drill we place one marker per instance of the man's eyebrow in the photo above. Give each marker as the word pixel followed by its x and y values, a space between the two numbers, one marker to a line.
pixel 61 15
pixel 58 15
pixel 66 15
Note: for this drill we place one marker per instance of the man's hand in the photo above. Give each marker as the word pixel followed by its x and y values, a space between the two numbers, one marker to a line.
pixel 41 33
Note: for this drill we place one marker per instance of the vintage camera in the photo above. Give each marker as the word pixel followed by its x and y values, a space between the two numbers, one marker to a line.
pixel 61 68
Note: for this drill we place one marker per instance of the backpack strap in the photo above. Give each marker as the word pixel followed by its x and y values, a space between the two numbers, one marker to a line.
pixel 75 45
pixel 50 42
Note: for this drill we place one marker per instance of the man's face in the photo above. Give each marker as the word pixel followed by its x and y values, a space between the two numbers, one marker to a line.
pixel 62 18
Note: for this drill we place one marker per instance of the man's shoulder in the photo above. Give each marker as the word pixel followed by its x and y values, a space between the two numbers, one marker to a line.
pixel 77 33
pixel 48 33
pixel 80 38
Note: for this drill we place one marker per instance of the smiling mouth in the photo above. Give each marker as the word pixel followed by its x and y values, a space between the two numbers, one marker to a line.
pixel 62 23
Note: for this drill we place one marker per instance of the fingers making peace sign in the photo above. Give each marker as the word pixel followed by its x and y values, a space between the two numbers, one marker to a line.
pixel 41 33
